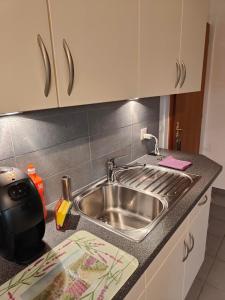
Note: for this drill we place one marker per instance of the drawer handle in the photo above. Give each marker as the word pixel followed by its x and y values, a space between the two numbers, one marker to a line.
pixel 46 65
pixel 184 74
pixel 186 248
pixel 204 201
pixel 192 239
pixel 70 66
pixel 178 74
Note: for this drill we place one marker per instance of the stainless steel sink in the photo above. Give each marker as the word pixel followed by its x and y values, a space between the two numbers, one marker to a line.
pixel 125 210
pixel 137 200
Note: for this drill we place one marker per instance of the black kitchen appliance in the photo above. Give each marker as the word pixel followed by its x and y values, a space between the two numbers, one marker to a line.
pixel 22 224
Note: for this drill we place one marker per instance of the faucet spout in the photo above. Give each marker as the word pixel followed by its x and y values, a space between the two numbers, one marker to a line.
pixel 112 168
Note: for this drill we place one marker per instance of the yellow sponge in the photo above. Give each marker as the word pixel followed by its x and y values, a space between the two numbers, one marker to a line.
pixel 62 212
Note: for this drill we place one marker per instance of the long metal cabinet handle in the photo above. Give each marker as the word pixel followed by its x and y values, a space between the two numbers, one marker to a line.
pixel 186 248
pixel 184 73
pixel 47 65
pixel 192 242
pixel 204 201
pixel 70 66
pixel 178 74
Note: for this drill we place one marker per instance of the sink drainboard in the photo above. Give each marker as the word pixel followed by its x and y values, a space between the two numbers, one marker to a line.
pixel 157 180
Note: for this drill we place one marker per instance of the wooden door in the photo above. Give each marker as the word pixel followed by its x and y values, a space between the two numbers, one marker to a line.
pixel 160 30
pixel 197 237
pixel 101 39
pixel 195 15
pixel 22 72
pixel 186 115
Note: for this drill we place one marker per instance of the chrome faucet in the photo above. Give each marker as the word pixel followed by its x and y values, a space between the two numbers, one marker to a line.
pixel 112 168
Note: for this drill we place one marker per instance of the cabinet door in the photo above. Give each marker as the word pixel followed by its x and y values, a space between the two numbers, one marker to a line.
pixel 198 231
pixel 102 39
pixel 138 290
pixel 22 72
pixel 160 29
pixel 167 283
pixel 195 14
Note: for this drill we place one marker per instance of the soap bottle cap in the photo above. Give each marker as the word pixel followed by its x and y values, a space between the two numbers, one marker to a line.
pixel 31 169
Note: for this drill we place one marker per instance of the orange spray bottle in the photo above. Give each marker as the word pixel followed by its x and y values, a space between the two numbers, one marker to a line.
pixel 38 181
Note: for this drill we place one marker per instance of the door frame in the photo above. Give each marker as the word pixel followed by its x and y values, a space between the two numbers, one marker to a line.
pixel 171 134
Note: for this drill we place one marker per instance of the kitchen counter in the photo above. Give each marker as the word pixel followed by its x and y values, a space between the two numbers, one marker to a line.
pixel 146 250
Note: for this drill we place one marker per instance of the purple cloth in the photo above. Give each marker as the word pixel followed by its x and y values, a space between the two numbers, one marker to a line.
pixel 171 162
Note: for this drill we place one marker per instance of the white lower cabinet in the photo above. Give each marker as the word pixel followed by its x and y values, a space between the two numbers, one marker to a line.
pixel 196 239
pixel 171 274
pixel 142 296
pixel 167 283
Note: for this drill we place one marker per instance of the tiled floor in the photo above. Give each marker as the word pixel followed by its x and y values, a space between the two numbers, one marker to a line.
pixel 210 281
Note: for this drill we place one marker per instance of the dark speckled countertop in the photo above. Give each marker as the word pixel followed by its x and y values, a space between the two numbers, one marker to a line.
pixel 146 250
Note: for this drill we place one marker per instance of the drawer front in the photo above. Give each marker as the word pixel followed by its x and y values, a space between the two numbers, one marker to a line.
pixel 202 202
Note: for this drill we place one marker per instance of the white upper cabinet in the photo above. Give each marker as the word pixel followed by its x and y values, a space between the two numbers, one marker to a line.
pixel 26 71
pixel 159 42
pixel 104 50
pixel 195 14
pixel 171 46
pixel 95 48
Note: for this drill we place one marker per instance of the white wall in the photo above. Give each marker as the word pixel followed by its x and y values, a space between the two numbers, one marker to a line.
pixel 213 129
pixel 164 122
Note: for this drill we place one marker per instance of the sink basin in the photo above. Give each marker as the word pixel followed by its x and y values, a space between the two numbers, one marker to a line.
pixel 138 199
pixel 127 211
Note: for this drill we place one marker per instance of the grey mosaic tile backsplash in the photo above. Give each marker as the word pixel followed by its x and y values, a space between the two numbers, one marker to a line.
pixel 77 141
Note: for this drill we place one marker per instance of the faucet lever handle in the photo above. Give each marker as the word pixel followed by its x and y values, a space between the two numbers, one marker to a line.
pixel 112 160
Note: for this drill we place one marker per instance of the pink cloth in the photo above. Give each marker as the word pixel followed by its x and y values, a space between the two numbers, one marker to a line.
pixel 171 162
